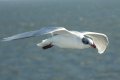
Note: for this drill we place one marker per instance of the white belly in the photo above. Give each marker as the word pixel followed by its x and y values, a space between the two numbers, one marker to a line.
pixel 66 41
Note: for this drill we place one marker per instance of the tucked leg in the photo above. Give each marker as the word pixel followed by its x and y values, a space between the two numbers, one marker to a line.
pixel 47 46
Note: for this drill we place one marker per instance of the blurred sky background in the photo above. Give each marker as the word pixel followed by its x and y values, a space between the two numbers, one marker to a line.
pixel 23 60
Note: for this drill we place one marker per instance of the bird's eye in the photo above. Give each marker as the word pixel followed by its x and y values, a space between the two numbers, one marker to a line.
pixel 85 41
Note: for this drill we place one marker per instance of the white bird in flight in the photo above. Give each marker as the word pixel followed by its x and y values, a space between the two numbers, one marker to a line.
pixel 64 38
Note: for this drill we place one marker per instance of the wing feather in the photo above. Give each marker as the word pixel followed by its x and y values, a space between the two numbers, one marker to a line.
pixel 99 39
pixel 42 31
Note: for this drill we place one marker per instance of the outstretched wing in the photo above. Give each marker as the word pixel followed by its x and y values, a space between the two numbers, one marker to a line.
pixel 99 39
pixel 42 31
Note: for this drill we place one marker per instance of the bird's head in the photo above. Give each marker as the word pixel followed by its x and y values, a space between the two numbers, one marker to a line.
pixel 88 41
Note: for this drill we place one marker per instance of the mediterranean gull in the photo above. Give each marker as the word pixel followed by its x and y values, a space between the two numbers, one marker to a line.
pixel 64 38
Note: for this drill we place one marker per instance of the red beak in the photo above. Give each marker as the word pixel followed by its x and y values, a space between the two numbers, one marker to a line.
pixel 93 45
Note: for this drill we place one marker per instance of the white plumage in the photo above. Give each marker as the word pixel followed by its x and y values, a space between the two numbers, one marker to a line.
pixel 64 38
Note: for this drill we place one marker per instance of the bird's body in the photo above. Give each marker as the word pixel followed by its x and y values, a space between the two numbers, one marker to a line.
pixel 64 38
pixel 64 41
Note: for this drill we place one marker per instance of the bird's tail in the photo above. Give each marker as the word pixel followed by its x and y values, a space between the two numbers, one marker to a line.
pixel 45 44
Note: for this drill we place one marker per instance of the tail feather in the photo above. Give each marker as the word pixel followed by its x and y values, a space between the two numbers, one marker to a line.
pixel 45 44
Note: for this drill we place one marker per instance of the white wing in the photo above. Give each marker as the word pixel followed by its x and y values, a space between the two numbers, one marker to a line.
pixel 45 30
pixel 99 39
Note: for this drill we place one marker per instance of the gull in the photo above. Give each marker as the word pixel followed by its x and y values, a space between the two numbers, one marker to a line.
pixel 63 38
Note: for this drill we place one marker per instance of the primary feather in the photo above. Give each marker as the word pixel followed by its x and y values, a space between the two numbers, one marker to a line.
pixel 45 30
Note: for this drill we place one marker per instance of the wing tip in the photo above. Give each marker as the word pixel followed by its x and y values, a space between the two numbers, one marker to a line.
pixel 101 52
pixel 6 39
